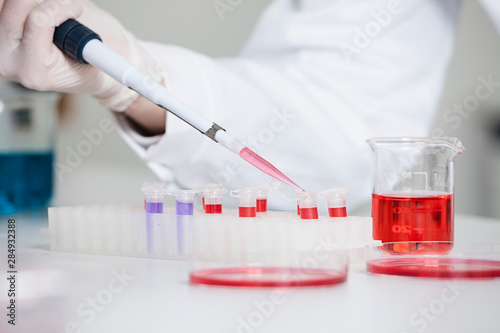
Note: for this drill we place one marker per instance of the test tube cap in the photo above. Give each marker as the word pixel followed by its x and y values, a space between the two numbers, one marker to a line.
pixel 159 188
pixel 246 191
pixel 335 192
pixel 307 198
pixel 214 192
pixel 184 195
pixel 208 187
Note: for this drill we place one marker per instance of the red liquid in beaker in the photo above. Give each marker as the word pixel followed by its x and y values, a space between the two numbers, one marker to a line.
pixel 213 209
pixel 261 205
pixel 337 212
pixel 309 213
pixel 400 218
pixel 247 212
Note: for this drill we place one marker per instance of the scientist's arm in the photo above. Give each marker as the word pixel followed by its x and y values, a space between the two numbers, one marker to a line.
pixel 313 82
pixel 27 55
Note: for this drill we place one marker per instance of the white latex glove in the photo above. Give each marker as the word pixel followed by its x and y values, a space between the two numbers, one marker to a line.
pixel 28 55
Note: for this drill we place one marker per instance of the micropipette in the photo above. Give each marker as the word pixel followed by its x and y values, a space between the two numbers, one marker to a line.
pixel 85 46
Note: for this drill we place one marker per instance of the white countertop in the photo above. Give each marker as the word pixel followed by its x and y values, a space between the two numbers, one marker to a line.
pixel 63 292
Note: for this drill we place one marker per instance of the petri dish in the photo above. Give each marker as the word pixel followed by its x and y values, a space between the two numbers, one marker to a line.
pixel 429 260
pixel 268 277
pixel 267 268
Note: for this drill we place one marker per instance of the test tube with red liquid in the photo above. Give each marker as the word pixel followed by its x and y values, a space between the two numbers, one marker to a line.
pixel 247 198
pixel 262 193
pixel 336 201
pixel 205 189
pixel 298 195
pixel 213 200
pixel 308 206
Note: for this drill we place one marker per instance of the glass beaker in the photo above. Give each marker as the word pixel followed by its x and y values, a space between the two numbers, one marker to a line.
pixel 27 123
pixel 413 189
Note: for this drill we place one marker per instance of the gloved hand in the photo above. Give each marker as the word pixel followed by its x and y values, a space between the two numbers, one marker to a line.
pixel 28 55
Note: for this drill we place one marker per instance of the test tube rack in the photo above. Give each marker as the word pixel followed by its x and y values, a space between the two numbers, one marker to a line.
pixel 129 231
pixel 120 231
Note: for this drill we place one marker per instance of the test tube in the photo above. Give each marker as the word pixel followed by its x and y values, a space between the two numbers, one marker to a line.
pixel 336 201
pixel 262 199
pixel 308 206
pixel 298 195
pixel 247 198
pixel 153 197
pixel 145 187
pixel 184 201
pixel 204 189
pixel 213 200
pixel 184 208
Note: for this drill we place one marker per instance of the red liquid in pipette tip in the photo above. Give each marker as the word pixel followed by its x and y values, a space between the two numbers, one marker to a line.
pixel 213 209
pixel 261 205
pixel 337 212
pixel 254 159
pixel 247 212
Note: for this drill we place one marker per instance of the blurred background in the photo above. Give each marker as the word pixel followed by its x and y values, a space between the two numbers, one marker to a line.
pixel 113 173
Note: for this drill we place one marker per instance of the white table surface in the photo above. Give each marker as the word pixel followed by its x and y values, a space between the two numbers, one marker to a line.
pixel 56 291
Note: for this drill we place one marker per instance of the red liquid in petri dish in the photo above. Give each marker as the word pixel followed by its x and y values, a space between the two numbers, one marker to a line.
pixel 436 267
pixel 337 212
pixel 213 209
pixel 268 277
pixel 309 213
pixel 400 218
pixel 261 205
pixel 247 212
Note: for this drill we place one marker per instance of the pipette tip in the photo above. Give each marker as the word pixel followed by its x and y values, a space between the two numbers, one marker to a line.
pixel 253 158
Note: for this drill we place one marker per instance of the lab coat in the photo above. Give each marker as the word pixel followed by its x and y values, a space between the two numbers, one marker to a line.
pixel 314 81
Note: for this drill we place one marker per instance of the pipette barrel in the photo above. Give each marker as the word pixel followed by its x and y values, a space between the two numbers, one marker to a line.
pixel 85 46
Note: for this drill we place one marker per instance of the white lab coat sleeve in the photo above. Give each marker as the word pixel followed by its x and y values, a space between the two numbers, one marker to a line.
pixel 492 8
pixel 313 82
